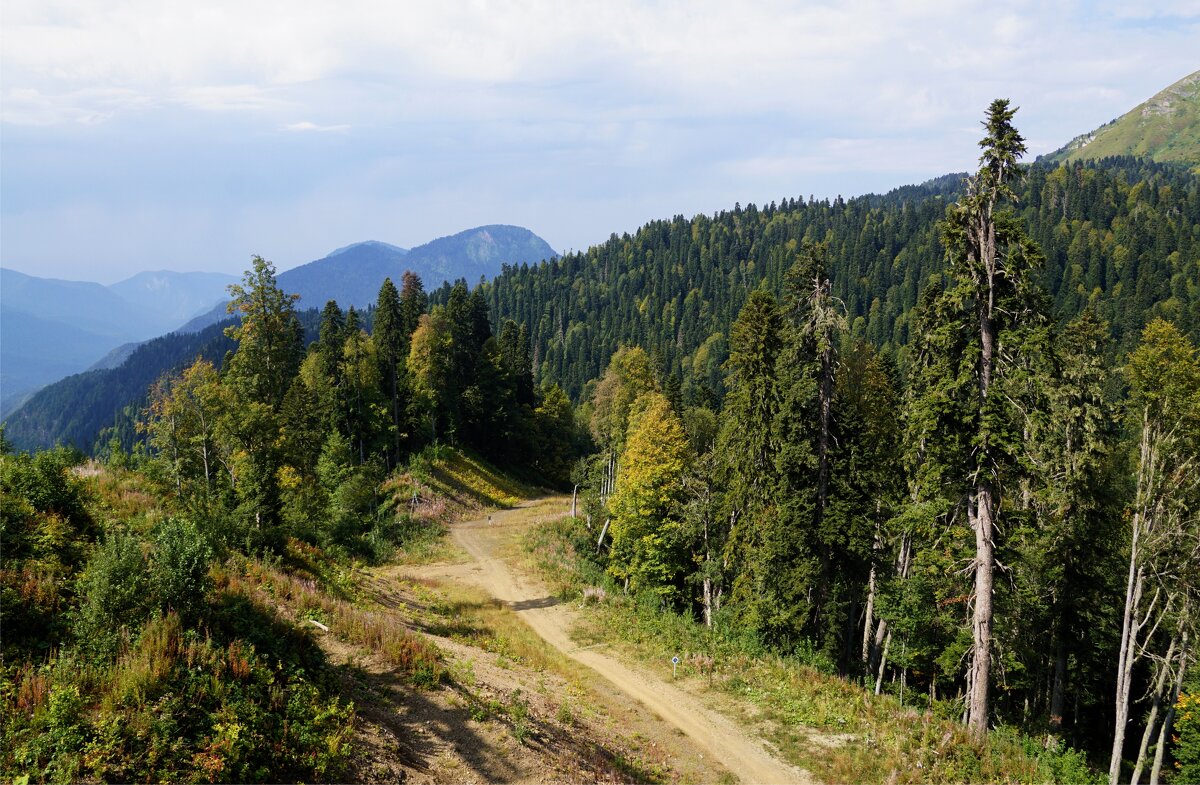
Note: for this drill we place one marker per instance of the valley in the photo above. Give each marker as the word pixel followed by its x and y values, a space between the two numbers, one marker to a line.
pixel 899 488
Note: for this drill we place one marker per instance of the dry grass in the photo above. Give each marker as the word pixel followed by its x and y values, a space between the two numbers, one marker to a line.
pixel 472 617
pixel 449 485
pixel 826 724
pixel 381 632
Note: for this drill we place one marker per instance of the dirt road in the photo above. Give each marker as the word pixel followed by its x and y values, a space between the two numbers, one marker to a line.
pixel 742 754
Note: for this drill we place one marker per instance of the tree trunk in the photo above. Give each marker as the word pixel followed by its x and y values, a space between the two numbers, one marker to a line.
pixel 1058 692
pixel 981 650
pixel 868 618
pixel 603 531
pixel 1152 721
pixel 869 614
pixel 887 642
pixel 1165 731
pixel 1133 600
pixel 1125 662
pixel 708 601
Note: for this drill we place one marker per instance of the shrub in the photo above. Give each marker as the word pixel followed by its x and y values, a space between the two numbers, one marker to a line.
pixel 1187 735
pixel 115 594
pixel 179 568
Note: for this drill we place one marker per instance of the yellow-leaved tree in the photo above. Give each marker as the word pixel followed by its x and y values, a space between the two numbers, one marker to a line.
pixel 647 548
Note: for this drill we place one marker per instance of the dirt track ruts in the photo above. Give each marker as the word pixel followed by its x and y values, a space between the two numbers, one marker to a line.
pixel 739 752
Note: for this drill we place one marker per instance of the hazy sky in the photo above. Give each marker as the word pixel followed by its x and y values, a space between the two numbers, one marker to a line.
pixel 188 136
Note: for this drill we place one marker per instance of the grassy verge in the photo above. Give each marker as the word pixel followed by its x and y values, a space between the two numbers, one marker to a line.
pixel 442 484
pixel 832 727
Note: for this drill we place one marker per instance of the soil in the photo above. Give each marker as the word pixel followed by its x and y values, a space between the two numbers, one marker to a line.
pixel 590 719
pixel 712 735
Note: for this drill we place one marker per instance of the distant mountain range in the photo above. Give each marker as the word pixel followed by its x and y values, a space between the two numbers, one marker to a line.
pixel 352 275
pixel 51 328
pixel 1165 128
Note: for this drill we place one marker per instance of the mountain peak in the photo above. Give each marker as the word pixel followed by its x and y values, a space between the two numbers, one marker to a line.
pixel 1166 128
pixel 352 274
pixel 373 245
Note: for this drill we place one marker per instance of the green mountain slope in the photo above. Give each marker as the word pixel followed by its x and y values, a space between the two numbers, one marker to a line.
pixel 1118 237
pixel 1165 128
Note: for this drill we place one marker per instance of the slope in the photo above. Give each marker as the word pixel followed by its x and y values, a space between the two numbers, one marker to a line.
pixel 1118 236
pixel 173 297
pixel 1165 128
pixel 353 274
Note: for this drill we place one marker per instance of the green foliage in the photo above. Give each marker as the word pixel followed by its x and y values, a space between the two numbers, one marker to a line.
pixel 115 595
pixel 176 706
pixel 648 500
pixel 1186 747
pixel 179 568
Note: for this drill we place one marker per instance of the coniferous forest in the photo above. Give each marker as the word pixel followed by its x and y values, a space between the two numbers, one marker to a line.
pixel 943 442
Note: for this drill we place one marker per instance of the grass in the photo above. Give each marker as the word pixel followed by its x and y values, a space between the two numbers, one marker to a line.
pixel 826 724
pixel 297 599
pixel 451 484
pixel 472 617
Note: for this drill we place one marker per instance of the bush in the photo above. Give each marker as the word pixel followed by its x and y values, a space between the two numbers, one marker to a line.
pixel 174 707
pixel 179 568
pixel 115 594
pixel 1187 735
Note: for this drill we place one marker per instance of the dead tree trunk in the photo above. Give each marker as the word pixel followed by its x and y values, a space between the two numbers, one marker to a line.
pixel 1058 691
pixel 1165 731
pixel 1160 686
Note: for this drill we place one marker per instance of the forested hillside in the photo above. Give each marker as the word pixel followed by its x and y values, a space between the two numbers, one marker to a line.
pixel 1003 523
pixel 1120 235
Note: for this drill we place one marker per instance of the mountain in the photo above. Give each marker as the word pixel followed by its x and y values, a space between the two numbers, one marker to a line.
pixel 1165 128
pixel 1117 236
pixel 174 297
pixel 36 351
pixel 353 274
pixel 86 306
pixel 50 328
pixel 350 275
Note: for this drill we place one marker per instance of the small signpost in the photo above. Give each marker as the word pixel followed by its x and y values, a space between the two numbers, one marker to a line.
pixel 674 665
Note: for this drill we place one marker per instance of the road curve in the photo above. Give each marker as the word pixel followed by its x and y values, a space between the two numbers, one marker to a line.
pixel 742 754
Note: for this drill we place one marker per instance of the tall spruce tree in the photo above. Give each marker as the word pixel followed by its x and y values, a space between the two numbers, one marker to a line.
pixel 991 262
pixel 391 346
pixel 760 549
pixel 270 347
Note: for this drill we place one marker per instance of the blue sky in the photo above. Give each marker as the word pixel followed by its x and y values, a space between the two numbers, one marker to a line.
pixel 150 135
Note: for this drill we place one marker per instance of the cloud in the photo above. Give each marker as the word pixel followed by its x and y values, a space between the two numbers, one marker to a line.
pixel 226 98
pixel 88 106
pixel 305 125
pixel 575 118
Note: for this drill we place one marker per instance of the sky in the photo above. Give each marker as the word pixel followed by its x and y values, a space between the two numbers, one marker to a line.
pixel 150 135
